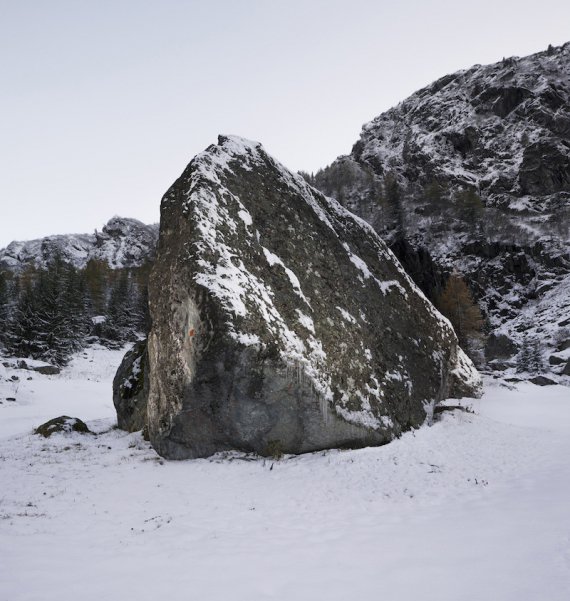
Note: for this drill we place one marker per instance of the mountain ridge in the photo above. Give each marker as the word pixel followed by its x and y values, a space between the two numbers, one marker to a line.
pixel 472 174
pixel 123 242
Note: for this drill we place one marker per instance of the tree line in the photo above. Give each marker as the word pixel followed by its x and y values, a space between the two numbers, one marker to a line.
pixel 397 206
pixel 48 314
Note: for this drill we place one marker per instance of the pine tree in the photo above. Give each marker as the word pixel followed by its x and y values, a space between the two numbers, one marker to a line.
pixel 122 314
pixel 457 304
pixel 23 328
pixel 49 321
pixel 141 312
pixel 530 358
pixel 96 274
pixel 524 358
pixel 141 309
pixel 57 336
pixel 77 302
pixel 536 358
pixel 13 293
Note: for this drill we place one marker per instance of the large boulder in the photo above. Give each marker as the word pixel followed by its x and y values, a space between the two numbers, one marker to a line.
pixel 281 322
pixel 130 389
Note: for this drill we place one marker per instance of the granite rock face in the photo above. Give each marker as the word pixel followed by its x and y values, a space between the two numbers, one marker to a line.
pixel 281 322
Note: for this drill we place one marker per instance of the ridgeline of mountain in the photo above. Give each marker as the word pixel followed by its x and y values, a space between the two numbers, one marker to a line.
pixel 472 175
pixel 122 242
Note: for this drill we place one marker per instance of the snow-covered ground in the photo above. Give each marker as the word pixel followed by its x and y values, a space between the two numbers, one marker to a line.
pixel 475 507
pixel 83 389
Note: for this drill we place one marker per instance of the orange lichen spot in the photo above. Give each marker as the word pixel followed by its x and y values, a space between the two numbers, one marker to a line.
pixel 191 332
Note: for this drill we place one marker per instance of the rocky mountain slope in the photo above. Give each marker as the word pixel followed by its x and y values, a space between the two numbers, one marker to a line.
pixel 472 174
pixel 122 242
pixel 281 322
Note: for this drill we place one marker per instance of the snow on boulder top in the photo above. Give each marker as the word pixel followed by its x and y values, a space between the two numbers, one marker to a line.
pixel 281 322
pixel 123 242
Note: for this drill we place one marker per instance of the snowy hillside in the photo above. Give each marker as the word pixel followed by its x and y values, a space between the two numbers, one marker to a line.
pixel 503 128
pixel 474 507
pixel 121 243
pixel 472 174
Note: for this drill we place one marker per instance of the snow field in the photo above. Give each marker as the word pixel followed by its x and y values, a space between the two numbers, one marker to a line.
pixel 473 508
pixel 83 389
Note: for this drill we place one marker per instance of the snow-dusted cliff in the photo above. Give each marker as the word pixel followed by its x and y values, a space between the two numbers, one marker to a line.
pixel 502 128
pixel 122 242
pixel 472 173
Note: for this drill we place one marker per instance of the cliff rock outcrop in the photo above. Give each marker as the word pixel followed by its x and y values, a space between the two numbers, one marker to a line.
pixel 472 174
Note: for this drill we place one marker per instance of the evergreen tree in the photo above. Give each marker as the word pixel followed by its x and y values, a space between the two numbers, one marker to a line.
pixel 77 302
pixel 536 358
pixel 23 329
pixel 49 320
pixel 13 293
pixel 141 310
pixel 308 177
pixel 48 313
pixel 96 275
pixel 58 336
pixel 524 356
pixel 530 359
pixel 52 315
pixel 123 316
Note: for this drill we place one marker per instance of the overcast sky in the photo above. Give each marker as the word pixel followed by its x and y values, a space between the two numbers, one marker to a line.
pixel 103 103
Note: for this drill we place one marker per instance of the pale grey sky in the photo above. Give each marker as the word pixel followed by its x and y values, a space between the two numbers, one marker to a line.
pixel 103 103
